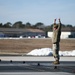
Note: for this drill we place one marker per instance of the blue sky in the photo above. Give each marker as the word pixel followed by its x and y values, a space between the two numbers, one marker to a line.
pixel 34 11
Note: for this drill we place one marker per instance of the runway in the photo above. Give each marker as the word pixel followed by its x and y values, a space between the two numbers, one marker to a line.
pixel 35 58
pixel 20 65
pixel 35 73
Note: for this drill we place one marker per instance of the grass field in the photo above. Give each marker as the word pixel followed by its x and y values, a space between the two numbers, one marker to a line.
pixel 27 45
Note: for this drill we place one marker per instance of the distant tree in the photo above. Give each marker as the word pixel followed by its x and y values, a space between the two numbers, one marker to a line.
pixel 68 25
pixel 18 25
pixel 51 26
pixel 7 25
pixel 1 25
pixel 23 26
pixel 39 25
pixel 28 25
pixel 47 28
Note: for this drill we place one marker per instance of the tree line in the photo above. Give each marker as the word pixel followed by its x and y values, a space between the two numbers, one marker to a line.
pixel 39 25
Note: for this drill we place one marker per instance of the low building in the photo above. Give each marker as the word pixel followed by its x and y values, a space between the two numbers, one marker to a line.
pixel 65 33
pixel 15 32
pixel 1 34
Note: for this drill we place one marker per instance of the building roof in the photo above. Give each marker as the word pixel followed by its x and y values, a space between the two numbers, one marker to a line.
pixel 67 29
pixel 19 30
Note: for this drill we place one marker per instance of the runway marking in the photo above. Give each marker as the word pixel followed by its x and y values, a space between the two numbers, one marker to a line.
pixel 35 73
pixel 34 58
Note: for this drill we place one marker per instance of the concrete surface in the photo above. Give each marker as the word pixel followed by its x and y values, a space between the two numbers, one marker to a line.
pixel 18 66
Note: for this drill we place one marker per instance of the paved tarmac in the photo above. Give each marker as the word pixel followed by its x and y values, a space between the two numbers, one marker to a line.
pixel 35 58
pixel 35 73
pixel 24 67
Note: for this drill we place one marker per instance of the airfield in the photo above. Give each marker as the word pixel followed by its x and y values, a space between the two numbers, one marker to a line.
pixel 24 45
pixel 34 65
pixel 14 61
